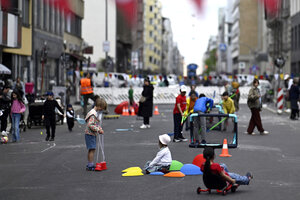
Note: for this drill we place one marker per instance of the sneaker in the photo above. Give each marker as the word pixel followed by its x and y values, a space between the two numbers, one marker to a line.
pixel 182 139
pixel 90 168
pixel 250 176
pixel 51 139
pixel 47 139
pixel 4 133
pixel 249 133
pixel 143 126
pixel 148 125
pixel 176 140
pixel 264 133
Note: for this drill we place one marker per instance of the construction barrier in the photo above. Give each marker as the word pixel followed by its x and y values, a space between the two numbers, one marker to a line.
pixel 163 95
pixel 279 100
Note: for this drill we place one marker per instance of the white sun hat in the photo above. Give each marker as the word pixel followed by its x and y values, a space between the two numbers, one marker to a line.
pixel 183 88
pixel 164 139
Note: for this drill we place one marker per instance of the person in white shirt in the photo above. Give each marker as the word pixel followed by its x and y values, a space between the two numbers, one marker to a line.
pixel 163 158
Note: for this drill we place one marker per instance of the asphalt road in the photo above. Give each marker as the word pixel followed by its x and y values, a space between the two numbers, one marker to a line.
pixel 36 169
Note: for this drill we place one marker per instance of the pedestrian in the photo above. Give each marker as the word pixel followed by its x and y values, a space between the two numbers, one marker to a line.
pixel 193 88
pixel 178 113
pixel 5 102
pixel 235 94
pixel 190 103
pixel 17 108
pixel 210 167
pixel 228 108
pixel 86 91
pixel 294 95
pixel 163 158
pixel 202 106
pixel 93 128
pixel 19 87
pixel 146 103
pixel 49 115
pixel 254 103
pixel 130 95
pixel 70 117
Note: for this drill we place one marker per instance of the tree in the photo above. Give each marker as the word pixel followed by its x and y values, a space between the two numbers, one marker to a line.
pixel 211 62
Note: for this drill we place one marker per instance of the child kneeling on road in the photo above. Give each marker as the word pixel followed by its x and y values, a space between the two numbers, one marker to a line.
pixel 92 130
pixel 221 169
pixel 163 158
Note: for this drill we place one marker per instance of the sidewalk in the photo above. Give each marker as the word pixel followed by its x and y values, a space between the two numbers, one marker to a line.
pixel 272 108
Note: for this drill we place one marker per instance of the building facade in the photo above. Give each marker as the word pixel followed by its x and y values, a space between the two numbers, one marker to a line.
pixel 295 37
pixel 167 63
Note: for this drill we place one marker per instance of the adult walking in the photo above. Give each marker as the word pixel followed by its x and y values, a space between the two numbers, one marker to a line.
pixel 86 90
pixel 5 102
pixel 17 108
pixel 146 103
pixel 254 103
pixel 294 98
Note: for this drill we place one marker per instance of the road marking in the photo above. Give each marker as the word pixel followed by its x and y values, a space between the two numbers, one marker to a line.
pixel 48 148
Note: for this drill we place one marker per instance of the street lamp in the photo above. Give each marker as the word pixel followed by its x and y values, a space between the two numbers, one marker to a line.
pixel 44 53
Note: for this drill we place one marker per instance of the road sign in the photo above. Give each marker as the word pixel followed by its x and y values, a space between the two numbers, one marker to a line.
pixel 106 46
pixel 242 65
pixel 222 47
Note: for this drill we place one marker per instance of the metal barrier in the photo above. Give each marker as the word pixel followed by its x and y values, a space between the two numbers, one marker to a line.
pixel 163 95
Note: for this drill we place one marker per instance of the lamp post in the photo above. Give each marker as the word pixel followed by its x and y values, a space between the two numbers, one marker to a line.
pixel 44 53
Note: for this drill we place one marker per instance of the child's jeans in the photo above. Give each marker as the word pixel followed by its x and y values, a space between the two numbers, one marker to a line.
pixel 241 180
pixel 15 126
pixel 154 168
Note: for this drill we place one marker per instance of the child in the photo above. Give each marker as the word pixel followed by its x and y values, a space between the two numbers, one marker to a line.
pixel 163 158
pixel 228 107
pixel 70 117
pixel 178 113
pixel 49 115
pixel 17 108
pixel 190 103
pixel 130 96
pixel 92 129
pixel 200 122
pixel 210 167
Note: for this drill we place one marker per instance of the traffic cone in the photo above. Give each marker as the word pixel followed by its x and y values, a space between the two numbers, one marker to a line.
pixel 126 111
pixel 123 111
pixel 156 111
pixel 225 149
pixel 98 167
pixel 132 111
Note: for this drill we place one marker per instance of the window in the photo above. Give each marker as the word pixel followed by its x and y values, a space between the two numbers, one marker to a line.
pixel 38 14
pixel 151 8
pixel 150 59
pixel 51 18
pixel 151 21
pixel 45 15
pixel 25 13
pixel 151 34
pixel 293 39
pixel 154 49
pixel 154 62
pixel 298 44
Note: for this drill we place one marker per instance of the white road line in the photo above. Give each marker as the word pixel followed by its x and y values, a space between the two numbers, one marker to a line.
pixel 48 148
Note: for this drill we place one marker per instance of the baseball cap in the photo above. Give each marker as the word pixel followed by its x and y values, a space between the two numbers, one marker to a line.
pixel 183 88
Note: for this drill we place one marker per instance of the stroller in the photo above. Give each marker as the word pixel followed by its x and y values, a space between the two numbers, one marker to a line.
pixel 35 114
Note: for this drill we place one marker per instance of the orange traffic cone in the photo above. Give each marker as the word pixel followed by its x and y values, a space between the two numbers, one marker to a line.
pixel 156 111
pixel 132 111
pixel 225 150
pixel 126 111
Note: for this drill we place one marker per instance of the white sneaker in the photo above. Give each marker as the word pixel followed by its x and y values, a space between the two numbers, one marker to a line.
pixel 4 133
pixel 264 133
pixel 148 126
pixel 253 133
pixel 143 126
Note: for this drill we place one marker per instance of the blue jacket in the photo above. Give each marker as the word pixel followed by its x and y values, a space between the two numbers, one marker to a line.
pixel 201 103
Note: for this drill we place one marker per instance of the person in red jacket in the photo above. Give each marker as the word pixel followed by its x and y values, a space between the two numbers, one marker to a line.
pixel 178 112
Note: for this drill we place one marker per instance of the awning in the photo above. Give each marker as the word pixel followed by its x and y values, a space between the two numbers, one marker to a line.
pixel 4 70
pixel 78 57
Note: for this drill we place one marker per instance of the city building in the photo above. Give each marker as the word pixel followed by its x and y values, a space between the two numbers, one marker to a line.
pixel 295 37
pixel 152 36
pixel 167 59
pixel 16 38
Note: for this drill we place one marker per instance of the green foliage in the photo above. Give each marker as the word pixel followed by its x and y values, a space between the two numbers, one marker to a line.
pixel 211 62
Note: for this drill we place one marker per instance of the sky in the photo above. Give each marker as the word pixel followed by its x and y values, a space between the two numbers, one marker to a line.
pixel 191 29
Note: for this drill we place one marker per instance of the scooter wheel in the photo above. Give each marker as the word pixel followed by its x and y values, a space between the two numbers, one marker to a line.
pixel 198 190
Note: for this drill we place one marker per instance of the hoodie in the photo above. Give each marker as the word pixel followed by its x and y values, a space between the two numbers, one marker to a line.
pixel 92 127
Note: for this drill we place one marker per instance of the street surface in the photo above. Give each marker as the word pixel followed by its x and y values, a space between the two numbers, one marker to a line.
pixel 36 169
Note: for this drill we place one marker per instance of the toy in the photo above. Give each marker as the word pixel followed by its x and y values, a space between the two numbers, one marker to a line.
pixel 4 139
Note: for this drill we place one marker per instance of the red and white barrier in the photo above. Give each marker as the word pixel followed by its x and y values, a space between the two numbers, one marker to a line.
pixel 279 100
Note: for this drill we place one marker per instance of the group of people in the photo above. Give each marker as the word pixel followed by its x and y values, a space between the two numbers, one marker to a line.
pixel 12 107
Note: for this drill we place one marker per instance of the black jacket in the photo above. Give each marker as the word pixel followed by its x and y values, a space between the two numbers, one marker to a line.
pixel 146 108
pixel 49 108
pixel 4 101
